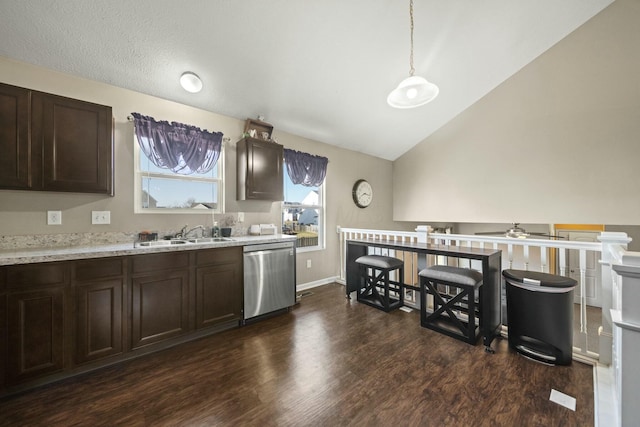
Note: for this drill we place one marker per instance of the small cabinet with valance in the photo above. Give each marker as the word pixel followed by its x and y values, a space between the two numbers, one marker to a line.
pixel 259 170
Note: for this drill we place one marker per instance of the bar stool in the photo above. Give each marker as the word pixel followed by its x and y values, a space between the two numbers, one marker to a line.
pixel 448 306
pixel 376 288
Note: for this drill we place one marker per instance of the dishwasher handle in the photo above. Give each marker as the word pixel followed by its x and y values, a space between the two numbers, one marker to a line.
pixel 268 247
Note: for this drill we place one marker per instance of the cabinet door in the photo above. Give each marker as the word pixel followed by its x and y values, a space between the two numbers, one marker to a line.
pixel 218 294
pixel 160 307
pixel 36 334
pixel 260 170
pixel 3 339
pixel 15 164
pixel 99 319
pixel 77 144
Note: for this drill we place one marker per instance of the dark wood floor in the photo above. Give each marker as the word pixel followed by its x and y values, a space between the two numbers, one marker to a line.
pixel 328 362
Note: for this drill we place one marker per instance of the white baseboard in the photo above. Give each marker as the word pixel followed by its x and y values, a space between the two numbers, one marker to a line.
pixel 605 405
pixel 316 283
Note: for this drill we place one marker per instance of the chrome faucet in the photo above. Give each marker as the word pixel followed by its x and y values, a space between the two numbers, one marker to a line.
pixel 185 231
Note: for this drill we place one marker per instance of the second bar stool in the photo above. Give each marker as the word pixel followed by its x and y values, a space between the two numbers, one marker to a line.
pixel 376 287
pixel 447 306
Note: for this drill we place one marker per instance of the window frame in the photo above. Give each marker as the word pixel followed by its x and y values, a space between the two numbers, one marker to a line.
pixel 139 174
pixel 321 215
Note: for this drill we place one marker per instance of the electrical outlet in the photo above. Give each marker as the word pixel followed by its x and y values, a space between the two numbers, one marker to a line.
pixel 240 216
pixel 100 217
pixel 54 217
pixel 308 263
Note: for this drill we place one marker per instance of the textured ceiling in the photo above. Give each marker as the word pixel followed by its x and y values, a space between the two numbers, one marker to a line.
pixel 320 69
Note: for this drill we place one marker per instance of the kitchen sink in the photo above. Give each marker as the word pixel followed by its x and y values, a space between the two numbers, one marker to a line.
pixel 185 242
pixel 211 240
pixel 164 243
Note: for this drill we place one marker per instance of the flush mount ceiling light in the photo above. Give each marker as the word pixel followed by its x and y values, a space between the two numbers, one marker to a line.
pixel 190 82
pixel 413 91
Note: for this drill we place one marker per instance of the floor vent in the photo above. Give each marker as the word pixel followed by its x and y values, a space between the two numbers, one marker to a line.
pixel 305 294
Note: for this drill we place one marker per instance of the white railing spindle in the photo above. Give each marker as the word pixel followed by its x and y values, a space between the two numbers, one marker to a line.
pixel 562 261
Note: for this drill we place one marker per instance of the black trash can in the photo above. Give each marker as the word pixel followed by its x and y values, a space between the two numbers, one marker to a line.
pixel 540 315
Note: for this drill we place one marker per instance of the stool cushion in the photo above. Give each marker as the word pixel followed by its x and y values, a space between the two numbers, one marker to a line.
pixel 463 276
pixel 379 261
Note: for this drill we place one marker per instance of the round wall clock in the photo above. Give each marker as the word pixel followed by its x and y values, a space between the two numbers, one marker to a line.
pixel 362 193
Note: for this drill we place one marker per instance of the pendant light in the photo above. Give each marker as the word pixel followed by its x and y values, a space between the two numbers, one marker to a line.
pixel 413 91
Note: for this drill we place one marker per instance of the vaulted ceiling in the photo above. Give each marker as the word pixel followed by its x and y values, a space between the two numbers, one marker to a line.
pixel 321 69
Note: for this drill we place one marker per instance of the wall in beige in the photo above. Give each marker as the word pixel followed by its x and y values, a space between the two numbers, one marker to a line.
pixel 556 143
pixel 24 213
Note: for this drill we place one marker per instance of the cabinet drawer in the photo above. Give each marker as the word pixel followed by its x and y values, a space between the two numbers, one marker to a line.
pixel 93 269
pixel 37 275
pixel 219 256
pixel 164 261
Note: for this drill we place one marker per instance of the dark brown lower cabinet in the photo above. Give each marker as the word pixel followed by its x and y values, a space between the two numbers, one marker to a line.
pixel 37 298
pixel 219 287
pixel 167 294
pixel 3 337
pixel 99 317
pixel 59 319
pixel 36 334
pixel 216 296
pixel 99 285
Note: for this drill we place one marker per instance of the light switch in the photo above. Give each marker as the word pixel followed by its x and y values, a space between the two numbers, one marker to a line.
pixel 240 216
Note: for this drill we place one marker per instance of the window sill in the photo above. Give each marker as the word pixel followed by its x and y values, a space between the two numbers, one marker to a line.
pixel 309 249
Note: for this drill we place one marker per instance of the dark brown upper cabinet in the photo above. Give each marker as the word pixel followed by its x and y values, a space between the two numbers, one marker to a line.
pixel 76 138
pixel 54 143
pixel 15 141
pixel 259 168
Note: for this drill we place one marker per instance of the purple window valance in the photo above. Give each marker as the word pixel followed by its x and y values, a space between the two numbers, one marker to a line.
pixel 304 168
pixel 183 149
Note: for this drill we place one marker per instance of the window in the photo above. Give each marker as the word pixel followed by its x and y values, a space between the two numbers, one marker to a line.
pixel 160 190
pixel 178 167
pixel 303 214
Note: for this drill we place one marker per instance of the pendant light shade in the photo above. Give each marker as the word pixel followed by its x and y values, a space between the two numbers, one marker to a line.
pixel 190 82
pixel 413 91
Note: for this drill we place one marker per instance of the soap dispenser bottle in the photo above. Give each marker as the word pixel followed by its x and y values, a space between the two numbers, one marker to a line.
pixel 215 231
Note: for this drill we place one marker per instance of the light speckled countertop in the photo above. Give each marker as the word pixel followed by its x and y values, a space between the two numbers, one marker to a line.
pixel 34 255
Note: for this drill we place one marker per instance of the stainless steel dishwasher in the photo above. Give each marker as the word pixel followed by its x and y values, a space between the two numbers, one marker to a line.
pixel 269 278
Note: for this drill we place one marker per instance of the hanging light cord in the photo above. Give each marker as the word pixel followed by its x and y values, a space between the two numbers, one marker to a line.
pixel 411 69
